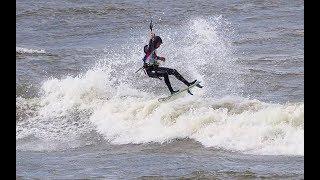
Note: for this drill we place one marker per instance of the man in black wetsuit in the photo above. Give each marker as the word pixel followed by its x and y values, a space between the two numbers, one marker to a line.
pixel 152 68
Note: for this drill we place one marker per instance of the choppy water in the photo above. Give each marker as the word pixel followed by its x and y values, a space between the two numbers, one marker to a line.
pixel 83 112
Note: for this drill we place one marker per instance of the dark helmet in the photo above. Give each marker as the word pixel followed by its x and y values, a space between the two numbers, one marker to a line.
pixel 157 39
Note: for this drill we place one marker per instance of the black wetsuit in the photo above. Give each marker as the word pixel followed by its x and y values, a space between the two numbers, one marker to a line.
pixel 155 71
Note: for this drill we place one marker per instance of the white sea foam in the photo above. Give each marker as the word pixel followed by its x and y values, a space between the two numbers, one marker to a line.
pixel 125 115
pixel 249 126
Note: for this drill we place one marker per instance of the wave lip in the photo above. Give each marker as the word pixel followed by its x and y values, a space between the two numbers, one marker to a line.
pixel 247 126
pixel 21 50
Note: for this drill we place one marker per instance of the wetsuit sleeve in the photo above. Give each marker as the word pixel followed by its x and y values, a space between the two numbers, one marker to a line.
pixel 151 49
pixel 151 45
pixel 148 49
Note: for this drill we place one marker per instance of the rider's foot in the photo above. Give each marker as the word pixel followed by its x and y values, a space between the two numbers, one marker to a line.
pixel 172 92
pixel 198 85
pixel 192 82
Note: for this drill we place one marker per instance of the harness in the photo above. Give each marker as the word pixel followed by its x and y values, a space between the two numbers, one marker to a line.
pixel 150 58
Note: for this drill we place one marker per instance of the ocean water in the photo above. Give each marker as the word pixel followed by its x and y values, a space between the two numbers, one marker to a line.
pixel 82 110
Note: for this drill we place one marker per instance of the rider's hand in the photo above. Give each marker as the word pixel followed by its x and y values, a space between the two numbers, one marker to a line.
pixel 162 59
pixel 152 35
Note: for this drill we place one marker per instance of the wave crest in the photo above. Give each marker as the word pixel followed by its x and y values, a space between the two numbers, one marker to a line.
pixel 20 50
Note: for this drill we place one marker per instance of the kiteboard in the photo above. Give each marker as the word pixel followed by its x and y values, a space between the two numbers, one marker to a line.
pixel 180 91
